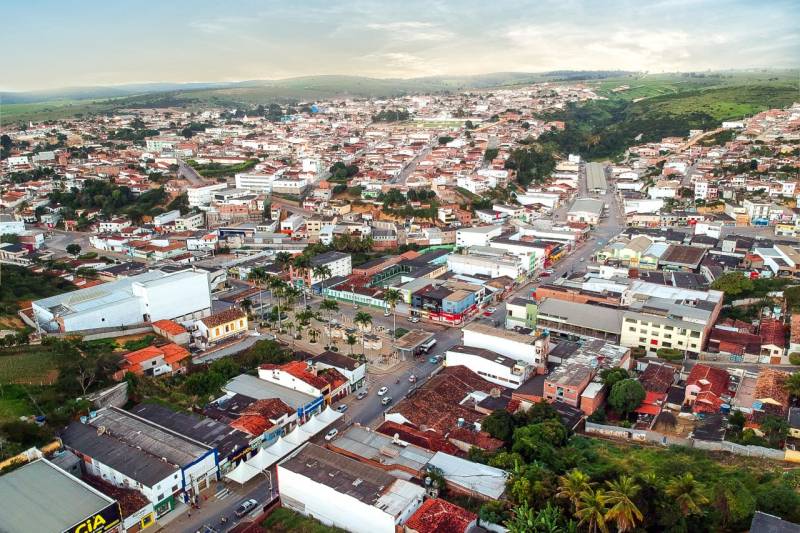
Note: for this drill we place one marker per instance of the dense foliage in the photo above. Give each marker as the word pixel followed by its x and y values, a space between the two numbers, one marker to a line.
pixel 111 199
pixel 391 115
pixel 20 283
pixel 566 481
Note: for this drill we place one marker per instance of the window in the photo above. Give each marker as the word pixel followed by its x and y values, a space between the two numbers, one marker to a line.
pixel 643 331
pixel 241 323
pixel 695 334
pixel 669 328
pixel 642 339
pixel 216 331
pixel 666 344
pixel 632 329
pixel 667 336
pixel 227 328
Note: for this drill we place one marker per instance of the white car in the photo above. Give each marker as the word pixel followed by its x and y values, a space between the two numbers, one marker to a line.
pixel 331 434
pixel 382 391
pixel 246 507
pixel 491 309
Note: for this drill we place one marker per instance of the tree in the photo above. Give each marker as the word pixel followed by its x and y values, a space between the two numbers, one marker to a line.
pixel 330 307
pixel 775 429
pixel 572 485
pixel 591 510
pixel 733 284
pixel 620 496
pixel 735 504
pixel 247 306
pixel 499 424
pixel 74 249
pixel 351 341
pixel 392 297
pixel 626 395
pixel 687 493
pixel 611 376
pixel 322 272
pixel 792 384
pixel 363 319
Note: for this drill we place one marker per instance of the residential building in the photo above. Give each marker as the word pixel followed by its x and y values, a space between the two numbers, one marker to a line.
pixel 167 358
pixel 521 313
pixel 223 325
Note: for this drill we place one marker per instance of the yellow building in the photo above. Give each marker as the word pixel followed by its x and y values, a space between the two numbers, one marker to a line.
pixel 223 325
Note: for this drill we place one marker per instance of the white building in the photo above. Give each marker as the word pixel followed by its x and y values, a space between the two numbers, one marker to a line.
pixel 586 210
pixel 166 218
pixel 340 264
pixel 8 225
pixel 491 366
pixel 664 189
pixel 201 196
pixel 491 266
pixel 292 223
pixel 345 493
pixel 154 295
pixel 516 346
pixel 190 221
pixel 479 236
pixel 255 182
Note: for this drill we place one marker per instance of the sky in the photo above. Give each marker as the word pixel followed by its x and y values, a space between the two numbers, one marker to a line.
pixel 52 43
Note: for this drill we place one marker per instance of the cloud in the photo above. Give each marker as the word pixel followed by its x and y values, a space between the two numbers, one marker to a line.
pixel 412 30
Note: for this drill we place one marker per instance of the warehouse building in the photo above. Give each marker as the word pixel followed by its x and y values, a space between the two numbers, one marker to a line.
pixel 596 178
pixel 42 497
pixel 182 296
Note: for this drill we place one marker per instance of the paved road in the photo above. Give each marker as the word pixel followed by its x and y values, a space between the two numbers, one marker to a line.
pixel 190 174
pixel 411 166
pixel 213 510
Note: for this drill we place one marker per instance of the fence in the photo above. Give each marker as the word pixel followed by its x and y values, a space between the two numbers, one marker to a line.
pixel 654 437
pixel 106 333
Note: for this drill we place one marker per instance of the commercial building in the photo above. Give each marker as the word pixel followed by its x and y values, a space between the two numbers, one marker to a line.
pixel 340 264
pixel 485 265
pixel 572 319
pixel 530 349
pixel 586 210
pixel 304 404
pixel 201 196
pixel 478 236
pixel 182 296
pixel 128 450
pixel 490 365
pixel 596 178
pixel 521 313
pixel 42 497
pixel 345 493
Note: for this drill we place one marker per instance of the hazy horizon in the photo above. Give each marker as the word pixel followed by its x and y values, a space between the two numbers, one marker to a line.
pixel 91 43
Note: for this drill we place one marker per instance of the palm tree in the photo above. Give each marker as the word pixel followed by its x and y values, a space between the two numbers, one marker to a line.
pixel 351 341
pixel 572 485
pixel 283 259
pixel 247 306
pixel 278 288
pixel 391 297
pixel 322 272
pixel 591 510
pixel 620 497
pixel 792 385
pixel 305 316
pixel 312 334
pixel 687 493
pixel 329 306
pixel 363 319
pixel 260 277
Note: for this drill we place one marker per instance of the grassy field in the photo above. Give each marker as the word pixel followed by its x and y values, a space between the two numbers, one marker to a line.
pixel 14 402
pixel 653 85
pixel 33 365
pixel 285 520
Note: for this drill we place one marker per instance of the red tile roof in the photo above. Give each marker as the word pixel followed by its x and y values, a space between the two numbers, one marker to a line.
pixel 424 439
pixel 770 388
pixel 251 424
pixel 709 378
pixel 795 334
pixel 171 352
pixel 271 408
pixel 437 404
pixel 440 516
pixel 223 317
pixel 657 378
pixel 773 332
pixel 299 369
pixel 479 439
pixel 169 326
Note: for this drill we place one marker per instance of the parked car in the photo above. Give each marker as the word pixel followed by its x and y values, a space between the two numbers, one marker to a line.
pixel 583 259
pixel 413 319
pixel 382 391
pixel 544 275
pixel 386 312
pixel 435 359
pixel 412 378
pixel 246 507
pixel 491 309
pixel 342 408
pixel 386 400
pixel 361 395
pixel 332 433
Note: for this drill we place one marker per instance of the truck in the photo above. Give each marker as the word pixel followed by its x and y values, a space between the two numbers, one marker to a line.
pixel 427 345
